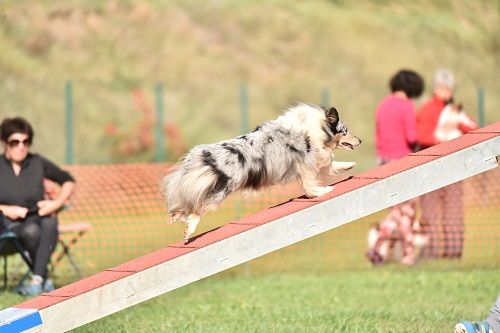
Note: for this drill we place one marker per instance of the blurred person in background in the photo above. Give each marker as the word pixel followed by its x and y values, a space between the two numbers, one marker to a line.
pixel 396 137
pixel 400 226
pixel 26 212
pixel 490 325
pixel 439 120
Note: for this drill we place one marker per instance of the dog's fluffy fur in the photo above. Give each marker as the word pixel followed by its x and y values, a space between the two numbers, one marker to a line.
pixel 449 121
pixel 297 146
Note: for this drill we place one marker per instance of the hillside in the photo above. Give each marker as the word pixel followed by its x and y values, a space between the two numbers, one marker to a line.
pixel 284 51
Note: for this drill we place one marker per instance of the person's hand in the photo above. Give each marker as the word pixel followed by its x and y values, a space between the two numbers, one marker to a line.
pixel 47 207
pixel 15 212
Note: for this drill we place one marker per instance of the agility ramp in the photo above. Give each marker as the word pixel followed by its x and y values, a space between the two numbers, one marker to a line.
pixel 239 241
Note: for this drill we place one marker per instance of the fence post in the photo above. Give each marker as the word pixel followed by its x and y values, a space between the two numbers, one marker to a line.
pixel 325 97
pixel 244 126
pixel 160 138
pixel 481 122
pixel 480 106
pixel 68 109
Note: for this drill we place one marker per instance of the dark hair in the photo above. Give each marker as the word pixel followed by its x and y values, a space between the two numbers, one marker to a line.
pixel 408 81
pixel 10 126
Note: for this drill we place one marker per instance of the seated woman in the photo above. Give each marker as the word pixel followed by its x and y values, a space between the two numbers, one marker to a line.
pixel 22 201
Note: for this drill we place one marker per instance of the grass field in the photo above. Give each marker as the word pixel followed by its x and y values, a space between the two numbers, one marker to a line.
pixel 389 299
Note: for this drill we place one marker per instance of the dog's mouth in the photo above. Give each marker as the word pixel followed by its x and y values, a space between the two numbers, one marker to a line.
pixel 347 145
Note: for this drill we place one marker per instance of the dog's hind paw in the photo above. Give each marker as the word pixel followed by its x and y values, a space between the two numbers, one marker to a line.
pixel 191 223
pixel 187 233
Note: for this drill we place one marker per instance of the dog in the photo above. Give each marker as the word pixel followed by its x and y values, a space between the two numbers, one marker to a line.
pixel 297 146
pixel 450 119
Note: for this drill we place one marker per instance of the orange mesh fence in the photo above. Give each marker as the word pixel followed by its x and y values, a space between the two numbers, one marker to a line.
pixel 128 218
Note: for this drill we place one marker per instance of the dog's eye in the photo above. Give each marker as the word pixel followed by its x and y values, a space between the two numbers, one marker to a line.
pixel 342 128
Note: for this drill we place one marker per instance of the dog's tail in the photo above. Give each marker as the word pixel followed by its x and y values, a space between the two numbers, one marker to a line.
pixel 186 191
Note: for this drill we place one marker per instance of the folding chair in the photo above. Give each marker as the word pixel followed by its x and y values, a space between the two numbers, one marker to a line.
pixel 69 235
pixel 9 244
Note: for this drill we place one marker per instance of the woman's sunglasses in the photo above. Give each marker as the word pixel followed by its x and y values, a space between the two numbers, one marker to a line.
pixel 15 143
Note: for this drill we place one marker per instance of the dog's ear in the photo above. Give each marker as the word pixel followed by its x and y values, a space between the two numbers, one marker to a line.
pixel 332 116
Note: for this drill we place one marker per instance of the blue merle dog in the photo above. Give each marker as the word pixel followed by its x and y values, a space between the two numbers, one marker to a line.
pixel 297 146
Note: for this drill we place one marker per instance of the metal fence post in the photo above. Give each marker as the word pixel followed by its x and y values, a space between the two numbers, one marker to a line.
pixel 480 107
pixel 325 97
pixel 160 138
pixel 481 123
pixel 244 128
pixel 68 108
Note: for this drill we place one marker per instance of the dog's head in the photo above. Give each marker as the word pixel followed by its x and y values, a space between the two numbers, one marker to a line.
pixel 338 135
pixel 456 107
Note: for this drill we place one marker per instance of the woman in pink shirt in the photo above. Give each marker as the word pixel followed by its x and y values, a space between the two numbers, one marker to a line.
pixel 396 131
pixel 396 136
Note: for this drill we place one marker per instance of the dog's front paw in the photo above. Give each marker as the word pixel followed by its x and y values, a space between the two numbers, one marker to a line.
pixel 340 167
pixel 319 191
pixel 349 165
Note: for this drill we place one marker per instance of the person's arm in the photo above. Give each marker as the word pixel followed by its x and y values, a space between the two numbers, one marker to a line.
pixel 14 212
pixel 47 207
pixel 466 124
pixel 426 127
pixel 410 124
pixel 67 182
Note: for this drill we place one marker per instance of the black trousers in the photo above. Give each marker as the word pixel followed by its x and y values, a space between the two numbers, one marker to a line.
pixel 38 235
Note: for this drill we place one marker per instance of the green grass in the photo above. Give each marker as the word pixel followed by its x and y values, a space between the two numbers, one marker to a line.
pixel 389 299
